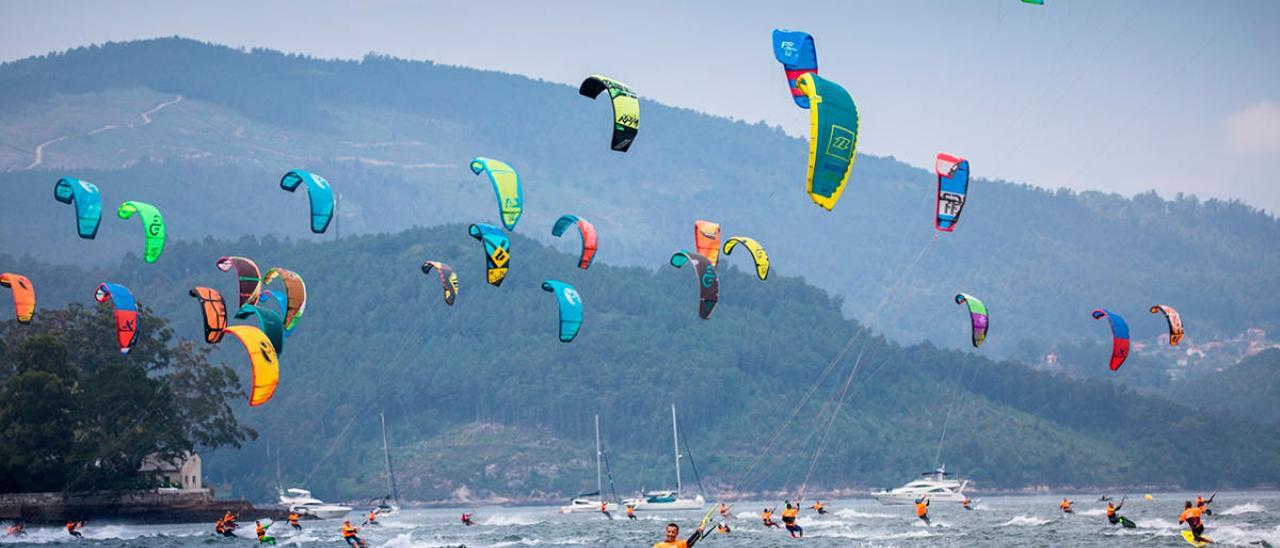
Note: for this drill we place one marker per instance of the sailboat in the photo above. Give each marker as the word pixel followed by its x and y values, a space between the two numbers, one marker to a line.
pixel 391 503
pixel 667 499
pixel 584 502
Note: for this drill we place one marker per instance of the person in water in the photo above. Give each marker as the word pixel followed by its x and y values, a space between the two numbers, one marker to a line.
pixel 466 520
pixel 1112 508
pixel 349 534
pixel 73 528
pixel 724 510
pixel 604 509
pixel 229 521
pixel 965 504
pixel 631 511
pixel 293 521
pixel 1191 515
pixel 722 528
pixel 261 531
pixel 767 517
pixel 1065 505
pixel 819 507
pixel 1203 504
pixel 17 529
pixel 789 520
pixel 673 538
pixel 922 510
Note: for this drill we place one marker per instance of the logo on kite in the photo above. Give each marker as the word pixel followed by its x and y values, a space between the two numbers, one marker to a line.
pixel 319 194
pixel 569 306
pixel 953 187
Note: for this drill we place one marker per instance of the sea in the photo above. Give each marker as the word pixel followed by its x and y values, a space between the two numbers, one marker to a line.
pixel 1239 519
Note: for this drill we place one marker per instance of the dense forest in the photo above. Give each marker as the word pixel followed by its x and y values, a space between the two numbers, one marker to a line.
pixel 395 138
pixel 482 400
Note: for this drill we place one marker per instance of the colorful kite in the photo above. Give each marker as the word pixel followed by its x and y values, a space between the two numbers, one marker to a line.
pixel 263 359
pixel 978 315
pixel 626 108
pixel 506 186
pixel 448 279
pixel 126 311
pixel 87 200
pixel 24 295
pixel 953 187
pixel 708 281
pixel 268 321
pixel 795 50
pixel 295 293
pixel 589 238
pixel 1119 334
pixel 833 138
pixel 214 310
pixel 1175 322
pixel 247 274
pixel 570 308
pixel 497 248
pixel 706 237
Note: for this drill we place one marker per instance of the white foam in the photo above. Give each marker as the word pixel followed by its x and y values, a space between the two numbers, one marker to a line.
pixel 511 519
pixel 850 513
pixel 1025 521
pixel 1246 508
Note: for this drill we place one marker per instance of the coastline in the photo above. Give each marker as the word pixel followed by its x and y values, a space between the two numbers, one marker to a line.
pixel 133 506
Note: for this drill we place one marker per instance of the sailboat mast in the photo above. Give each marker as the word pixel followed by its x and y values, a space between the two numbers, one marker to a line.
pixel 675 438
pixel 386 455
pixel 599 480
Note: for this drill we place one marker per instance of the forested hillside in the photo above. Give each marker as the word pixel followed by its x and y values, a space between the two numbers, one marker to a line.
pixel 395 138
pixel 483 396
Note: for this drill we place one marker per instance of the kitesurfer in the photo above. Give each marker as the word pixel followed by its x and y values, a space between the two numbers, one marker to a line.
pixel 349 534
pixel 965 503
pixel 1065 505
pixel 73 526
pixel 293 521
pixel 1112 508
pixel 1191 516
pixel 604 509
pixel 229 521
pixel 724 510
pixel 767 517
pixel 631 511
pixel 1203 504
pixel 673 540
pixel 373 517
pixel 722 528
pixel 261 531
pixel 17 529
pixel 466 520
pixel 789 519
pixel 819 507
pixel 922 510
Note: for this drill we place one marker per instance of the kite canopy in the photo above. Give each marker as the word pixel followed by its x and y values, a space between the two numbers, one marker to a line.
pixel 626 108
pixel 87 200
pixel 497 248
pixel 795 50
pixel 448 279
pixel 570 304
pixel 1174 320
pixel 263 359
pixel 24 295
pixel 589 239
pixel 214 310
pixel 268 321
pixel 248 275
pixel 1119 335
pixel 953 187
pixel 506 186
pixel 978 315
pixel 126 311
pixel 757 253
pixel 706 237
pixel 152 224
pixel 833 138
pixel 708 280
pixel 318 191
pixel 295 292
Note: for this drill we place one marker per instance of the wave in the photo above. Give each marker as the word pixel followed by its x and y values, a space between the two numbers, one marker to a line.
pixel 1246 508
pixel 508 520
pixel 1024 521
pixel 849 513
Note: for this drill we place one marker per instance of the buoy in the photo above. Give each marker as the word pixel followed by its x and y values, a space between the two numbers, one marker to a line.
pixel 1148 497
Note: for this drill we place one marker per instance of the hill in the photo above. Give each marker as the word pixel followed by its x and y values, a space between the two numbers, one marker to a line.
pixel 205 132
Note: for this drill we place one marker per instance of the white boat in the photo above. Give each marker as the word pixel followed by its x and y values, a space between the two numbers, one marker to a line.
pixel 390 504
pixel 938 485
pixel 590 502
pixel 668 500
pixel 301 501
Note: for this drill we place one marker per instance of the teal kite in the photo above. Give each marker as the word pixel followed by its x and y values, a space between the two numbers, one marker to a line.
pixel 570 308
pixel 87 200
pixel 318 191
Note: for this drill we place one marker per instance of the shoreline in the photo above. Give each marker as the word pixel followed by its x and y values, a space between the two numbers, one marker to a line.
pixel 131 506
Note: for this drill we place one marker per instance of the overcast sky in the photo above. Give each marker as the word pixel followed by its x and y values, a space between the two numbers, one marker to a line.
pixel 1117 95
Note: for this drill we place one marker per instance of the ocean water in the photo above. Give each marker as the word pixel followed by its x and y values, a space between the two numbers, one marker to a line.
pixel 1240 519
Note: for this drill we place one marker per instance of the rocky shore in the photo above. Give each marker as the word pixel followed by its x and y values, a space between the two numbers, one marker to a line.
pixel 135 506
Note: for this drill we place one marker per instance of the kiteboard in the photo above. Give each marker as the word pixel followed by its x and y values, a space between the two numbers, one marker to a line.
pixel 1127 523
pixel 1191 539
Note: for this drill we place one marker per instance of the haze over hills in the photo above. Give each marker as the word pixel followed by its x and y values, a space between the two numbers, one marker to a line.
pixel 204 132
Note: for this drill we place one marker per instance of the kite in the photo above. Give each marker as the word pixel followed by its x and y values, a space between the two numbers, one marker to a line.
pixel 214 310
pixel 448 279
pixel 87 200
pixel 506 186
pixel 318 191
pixel 126 313
pixel 833 138
pixel 589 238
pixel 497 248
pixel 626 108
pixel 268 321
pixel 272 297
pixel 152 224
pixel 250 278
pixel 24 295
pixel 295 291
pixel 757 253
pixel 708 281
pixel 953 187
pixel 263 358
pixel 570 308
pixel 795 50
pixel 706 236
pixel 1119 334
pixel 1175 322
pixel 978 315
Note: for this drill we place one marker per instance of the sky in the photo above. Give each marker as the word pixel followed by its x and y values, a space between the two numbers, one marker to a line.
pixel 1116 95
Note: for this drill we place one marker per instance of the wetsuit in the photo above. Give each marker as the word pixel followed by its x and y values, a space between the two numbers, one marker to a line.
pixel 1203 504
pixel 1192 517
pixel 261 531
pixel 349 535
pixel 1112 517
pixel 293 521
pixel 71 528
pixel 789 519
pixel 922 510
pixel 767 516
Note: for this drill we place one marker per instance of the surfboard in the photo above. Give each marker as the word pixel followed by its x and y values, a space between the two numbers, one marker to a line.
pixel 1191 539
pixel 1127 523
